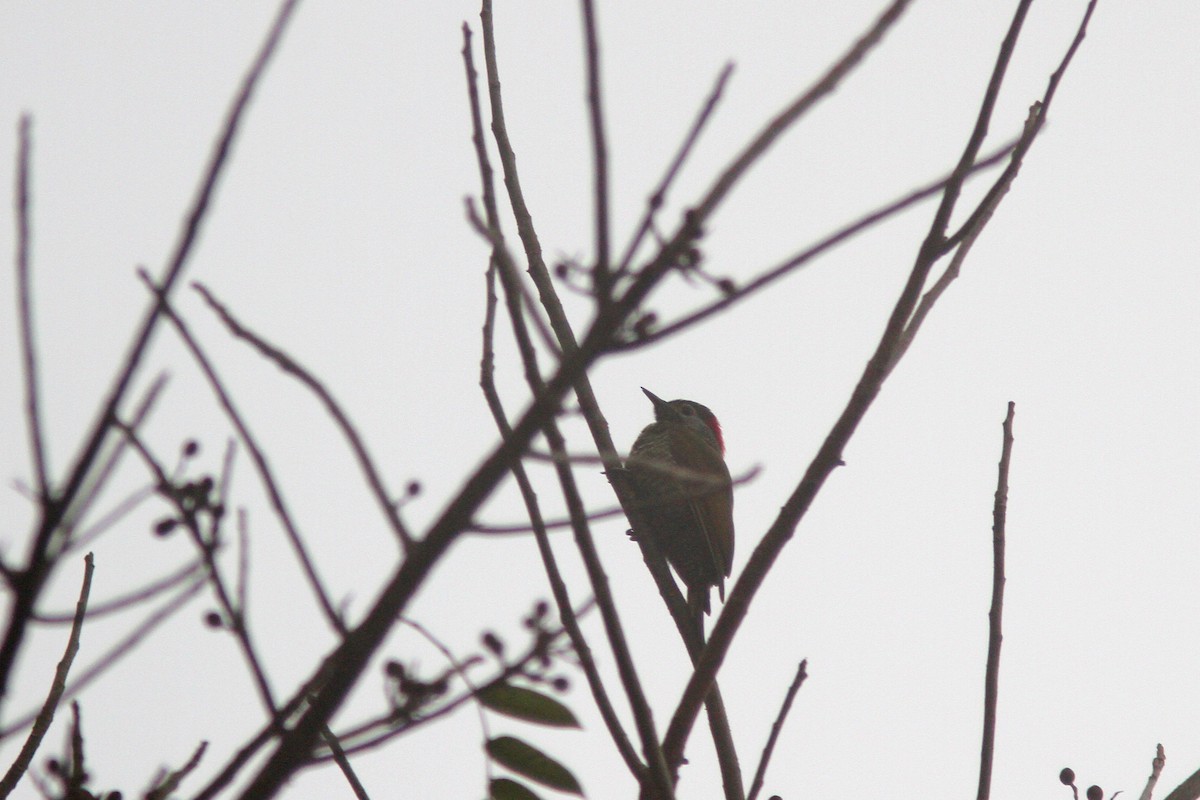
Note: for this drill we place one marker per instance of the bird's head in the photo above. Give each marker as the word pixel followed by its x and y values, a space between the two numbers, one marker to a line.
pixel 690 413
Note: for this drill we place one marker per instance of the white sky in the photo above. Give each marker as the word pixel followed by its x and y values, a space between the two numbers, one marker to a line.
pixel 339 234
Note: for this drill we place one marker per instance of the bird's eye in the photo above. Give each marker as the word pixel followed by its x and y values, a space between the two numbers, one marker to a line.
pixel 687 411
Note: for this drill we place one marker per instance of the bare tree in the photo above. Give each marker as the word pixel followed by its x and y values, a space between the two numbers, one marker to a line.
pixel 557 355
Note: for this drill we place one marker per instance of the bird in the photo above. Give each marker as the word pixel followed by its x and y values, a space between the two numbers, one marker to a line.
pixel 677 467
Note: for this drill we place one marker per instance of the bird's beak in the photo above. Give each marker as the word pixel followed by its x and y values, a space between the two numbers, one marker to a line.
pixel 659 403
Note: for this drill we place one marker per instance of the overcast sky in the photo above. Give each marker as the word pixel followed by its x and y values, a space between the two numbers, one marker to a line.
pixel 339 234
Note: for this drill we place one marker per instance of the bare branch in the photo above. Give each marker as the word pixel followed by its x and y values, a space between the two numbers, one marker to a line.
pixel 692 227
pixel 291 367
pixel 243 575
pixel 804 257
pixel 777 726
pixel 163 787
pixel 1156 768
pixel 114 515
pixel 207 546
pixel 512 182
pixel 29 361
pixel 979 219
pixel 90 492
pixel 504 259
pixel 798 108
pixel 659 195
pixel 339 757
pixel 1188 790
pixel 602 275
pixel 991 681
pixel 260 461
pixel 57 687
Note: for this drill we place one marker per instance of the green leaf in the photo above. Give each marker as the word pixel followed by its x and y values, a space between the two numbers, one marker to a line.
pixel 527 704
pixel 507 789
pixel 527 760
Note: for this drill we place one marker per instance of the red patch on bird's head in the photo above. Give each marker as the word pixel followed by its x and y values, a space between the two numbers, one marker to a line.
pixel 716 429
pixel 710 419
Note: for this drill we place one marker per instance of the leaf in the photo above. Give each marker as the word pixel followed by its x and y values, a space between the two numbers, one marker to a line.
pixel 524 759
pixel 527 704
pixel 508 789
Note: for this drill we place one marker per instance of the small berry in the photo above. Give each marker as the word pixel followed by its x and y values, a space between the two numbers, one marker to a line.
pixel 1067 776
pixel 1094 792
pixel 190 448
pixel 492 642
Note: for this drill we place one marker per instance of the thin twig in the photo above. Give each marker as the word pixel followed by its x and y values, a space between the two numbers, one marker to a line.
pixel 90 492
pixel 339 758
pixel 170 782
pixel 777 726
pixel 496 241
pixel 512 182
pixel 991 681
pixel 266 475
pixel 112 517
pixel 692 226
pixel 207 546
pixel 460 668
pixel 291 367
pixel 981 217
pixel 1156 768
pixel 592 516
pixel 799 107
pixel 57 687
pixel 659 195
pixel 602 271
pixel 547 525
pixel 804 257
pixel 129 599
pixel 76 774
pixel 40 562
pixel 29 360
pixel 243 573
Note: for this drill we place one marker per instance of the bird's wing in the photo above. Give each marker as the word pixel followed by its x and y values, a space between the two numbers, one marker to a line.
pixel 710 499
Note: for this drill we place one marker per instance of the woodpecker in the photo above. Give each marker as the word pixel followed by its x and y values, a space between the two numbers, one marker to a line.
pixel 677 466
